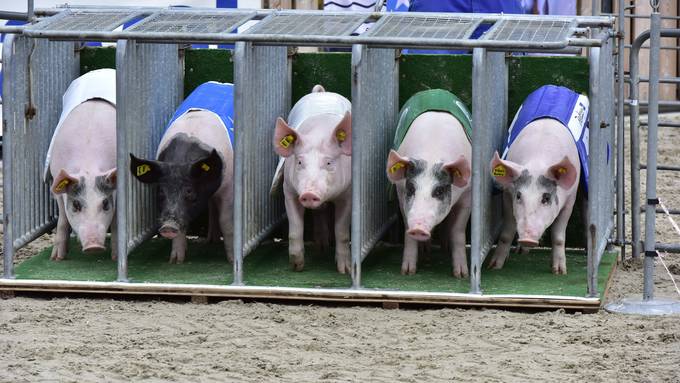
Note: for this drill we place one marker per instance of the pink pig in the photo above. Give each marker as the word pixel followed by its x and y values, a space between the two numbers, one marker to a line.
pixel 540 179
pixel 82 162
pixel 316 144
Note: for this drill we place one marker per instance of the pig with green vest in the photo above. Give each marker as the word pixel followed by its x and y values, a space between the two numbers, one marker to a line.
pixel 430 167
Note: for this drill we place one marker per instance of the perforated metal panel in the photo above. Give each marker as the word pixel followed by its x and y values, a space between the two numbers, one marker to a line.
pixel 545 31
pixel 433 27
pixel 308 24
pixel 85 21
pixel 192 22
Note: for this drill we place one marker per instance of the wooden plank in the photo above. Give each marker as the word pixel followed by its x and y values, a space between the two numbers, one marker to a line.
pixel 388 298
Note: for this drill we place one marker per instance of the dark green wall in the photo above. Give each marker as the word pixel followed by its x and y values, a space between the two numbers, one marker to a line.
pixel 416 73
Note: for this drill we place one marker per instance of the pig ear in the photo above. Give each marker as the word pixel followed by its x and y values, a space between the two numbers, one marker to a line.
pixel 459 170
pixel 208 167
pixel 110 177
pixel 285 138
pixel 396 166
pixel 63 182
pixel 318 89
pixel 503 171
pixel 343 134
pixel 145 171
pixel 563 172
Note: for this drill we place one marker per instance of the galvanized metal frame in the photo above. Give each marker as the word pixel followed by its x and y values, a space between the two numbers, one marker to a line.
pixel 489 116
pixel 143 110
pixel 375 105
pixel 32 107
pixel 262 77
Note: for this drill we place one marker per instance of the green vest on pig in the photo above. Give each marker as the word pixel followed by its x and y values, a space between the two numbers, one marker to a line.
pixel 433 100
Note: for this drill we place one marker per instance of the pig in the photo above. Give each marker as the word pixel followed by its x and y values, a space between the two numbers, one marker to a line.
pixel 431 171
pixel 194 168
pixel 315 146
pixel 540 171
pixel 81 160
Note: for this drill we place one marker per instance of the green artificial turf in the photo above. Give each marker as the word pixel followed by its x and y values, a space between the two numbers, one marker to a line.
pixel 268 266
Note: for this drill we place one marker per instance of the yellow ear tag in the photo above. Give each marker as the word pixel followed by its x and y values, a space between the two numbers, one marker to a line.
pixel 499 171
pixel 143 169
pixel 457 173
pixel 341 135
pixel 205 167
pixel 562 170
pixel 396 167
pixel 64 183
pixel 287 140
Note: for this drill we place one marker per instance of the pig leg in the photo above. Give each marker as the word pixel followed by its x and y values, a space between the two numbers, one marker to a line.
pixel 559 229
pixel 296 228
pixel 507 234
pixel 321 233
pixel 214 232
pixel 461 215
pixel 60 247
pixel 343 218
pixel 179 248
pixel 224 210
pixel 114 239
pixel 410 258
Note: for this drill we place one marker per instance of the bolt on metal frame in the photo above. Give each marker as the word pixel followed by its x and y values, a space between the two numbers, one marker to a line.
pixel 262 80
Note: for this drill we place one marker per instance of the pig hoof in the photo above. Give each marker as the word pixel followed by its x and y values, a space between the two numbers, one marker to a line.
pixel 495 263
pixel 297 262
pixel 114 257
pixel 57 254
pixel 56 257
pixel 408 268
pixel 176 258
pixel 344 268
pixel 559 270
pixel 460 272
pixel 298 266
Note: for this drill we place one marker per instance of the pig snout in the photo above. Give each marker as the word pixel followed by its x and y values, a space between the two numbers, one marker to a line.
pixel 92 239
pixel 529 236
pixel 527 242
pixel 419 229
pixel 310 200
pixel 169 230
pixel 93 247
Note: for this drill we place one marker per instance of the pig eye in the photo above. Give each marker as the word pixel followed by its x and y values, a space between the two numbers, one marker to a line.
pixel 410 189
pixel 77 206
pixel 545 199
pixel 519 196
pixel 105 205
pixel 439 191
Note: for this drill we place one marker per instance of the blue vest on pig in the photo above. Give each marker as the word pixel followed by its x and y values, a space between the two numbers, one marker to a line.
pixel 563 105
pixel 214 97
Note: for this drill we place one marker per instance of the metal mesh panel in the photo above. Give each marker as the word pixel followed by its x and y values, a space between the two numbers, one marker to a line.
pixel 262 94
pixel 374 104
pixel 149 88
pixel 308 24
pixel 191 22
pixel 85 21
pixel 433 27
pixel 30 119
pixel 489 115
pixel 545 31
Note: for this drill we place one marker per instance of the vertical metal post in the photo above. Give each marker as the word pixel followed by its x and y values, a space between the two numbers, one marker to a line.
pixel 149 87
pixel 262 92
pixel 652 146
pixel 8 187
pixel 30 11
pixel 620 135
pixel 489 117
pixel 375 99
pixel 634 68
pixel 594 208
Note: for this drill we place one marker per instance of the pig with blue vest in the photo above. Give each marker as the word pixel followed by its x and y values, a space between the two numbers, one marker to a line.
pixel 315 168
pixel 430 166
pixel 544 157
pixel 194 168
pixel 81 161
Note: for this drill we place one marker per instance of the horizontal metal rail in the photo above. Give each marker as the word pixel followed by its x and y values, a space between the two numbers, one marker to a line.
pixel 663 167
pixel 665 80
pixel 668 247
pixel 666 47
pixel 631 16
pixel 328 40
pixel 665 124
pixel 661 102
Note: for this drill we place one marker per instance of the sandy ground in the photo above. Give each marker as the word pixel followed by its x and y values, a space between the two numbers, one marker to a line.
pixel 84 340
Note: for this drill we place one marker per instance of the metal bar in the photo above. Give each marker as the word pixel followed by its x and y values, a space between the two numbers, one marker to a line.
pixel 667 124
pixel 668 247
pixel 632 16
pixel 652 146
pixel 664 47
pixel 620 134
pixel 8 182
pixel 15 15
pixel 122 179
pixel 663 167
pixel 30 12
pixel 665 80
pixel 594 207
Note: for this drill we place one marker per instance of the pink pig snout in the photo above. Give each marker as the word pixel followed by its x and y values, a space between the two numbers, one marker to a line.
pixel 419 230
pixel 169 230
pixel 92 240
pixel 310 200
pixel 529 237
